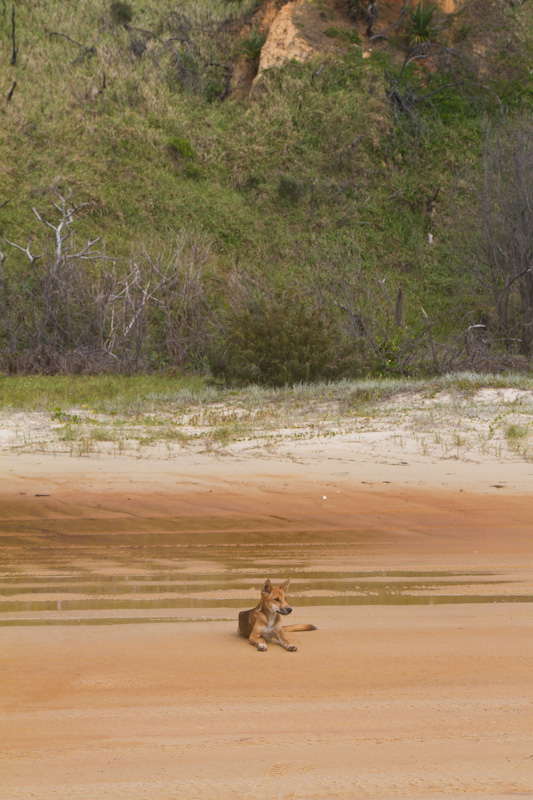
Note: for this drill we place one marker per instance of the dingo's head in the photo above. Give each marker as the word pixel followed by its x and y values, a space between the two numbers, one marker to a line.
pixel 273 598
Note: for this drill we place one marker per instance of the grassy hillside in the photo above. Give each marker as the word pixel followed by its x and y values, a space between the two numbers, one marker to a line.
pixel 321 167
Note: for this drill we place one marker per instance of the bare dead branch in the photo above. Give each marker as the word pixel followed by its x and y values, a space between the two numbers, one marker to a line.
pixel 10 93
pixel 497 248
pixel 383 34
pixel 26 250
pixel 150 34
pixel 14 50
pixel 71 317
pixel 87 51
pixel 429 329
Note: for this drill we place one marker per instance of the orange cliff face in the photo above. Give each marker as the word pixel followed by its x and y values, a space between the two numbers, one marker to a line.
pixel 449 6
pixel 295 30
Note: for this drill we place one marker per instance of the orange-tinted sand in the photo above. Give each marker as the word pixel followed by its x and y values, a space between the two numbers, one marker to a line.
pixel 388 698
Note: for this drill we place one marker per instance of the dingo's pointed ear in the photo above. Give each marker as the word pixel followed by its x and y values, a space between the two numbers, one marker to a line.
pixel 285 585
pixel 267 588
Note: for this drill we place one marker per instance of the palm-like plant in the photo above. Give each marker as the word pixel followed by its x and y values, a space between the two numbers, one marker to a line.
pixel 251 46
pixel 420 24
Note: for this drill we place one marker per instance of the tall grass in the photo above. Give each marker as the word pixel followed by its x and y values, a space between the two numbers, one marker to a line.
pixel 40 392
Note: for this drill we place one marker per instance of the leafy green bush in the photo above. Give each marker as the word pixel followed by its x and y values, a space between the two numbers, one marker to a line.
pixel 121 12
pixel 344 36
pixel 193 171
pixel 180 147
pixel 290 189
pixel 277 339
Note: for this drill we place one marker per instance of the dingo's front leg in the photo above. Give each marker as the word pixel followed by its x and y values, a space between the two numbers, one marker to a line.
pixel 256 639
pixel 284 642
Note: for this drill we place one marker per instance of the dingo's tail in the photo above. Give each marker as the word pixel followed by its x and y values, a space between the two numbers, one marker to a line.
pixel 300 628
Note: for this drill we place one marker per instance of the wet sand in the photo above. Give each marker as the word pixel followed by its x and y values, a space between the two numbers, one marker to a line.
pixel 123 675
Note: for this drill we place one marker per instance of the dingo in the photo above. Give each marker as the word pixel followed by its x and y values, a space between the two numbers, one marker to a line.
pixel 263 622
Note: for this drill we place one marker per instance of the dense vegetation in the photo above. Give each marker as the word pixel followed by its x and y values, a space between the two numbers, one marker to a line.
pixel 314 229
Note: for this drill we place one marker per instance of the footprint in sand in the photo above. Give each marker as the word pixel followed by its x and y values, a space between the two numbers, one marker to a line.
pixel 282 781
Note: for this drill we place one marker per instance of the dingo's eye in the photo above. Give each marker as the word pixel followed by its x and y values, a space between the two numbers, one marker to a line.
pixel 277 600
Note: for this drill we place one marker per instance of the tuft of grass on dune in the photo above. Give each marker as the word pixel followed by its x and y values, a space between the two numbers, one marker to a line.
pixel 114 392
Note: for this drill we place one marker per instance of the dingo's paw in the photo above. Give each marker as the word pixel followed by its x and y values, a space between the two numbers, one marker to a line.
pixel 292 648
pixel 261 647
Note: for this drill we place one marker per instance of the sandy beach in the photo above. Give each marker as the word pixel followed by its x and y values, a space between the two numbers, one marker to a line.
pixel 122 672
pixel 266 320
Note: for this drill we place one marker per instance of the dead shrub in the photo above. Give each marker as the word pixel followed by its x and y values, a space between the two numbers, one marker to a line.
pixel 497 249
pixel 77 310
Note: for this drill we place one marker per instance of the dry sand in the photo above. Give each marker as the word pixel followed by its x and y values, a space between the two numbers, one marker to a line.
pixel 388 698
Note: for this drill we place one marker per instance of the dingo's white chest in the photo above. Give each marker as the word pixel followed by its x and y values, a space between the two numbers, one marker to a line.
pixel 269 629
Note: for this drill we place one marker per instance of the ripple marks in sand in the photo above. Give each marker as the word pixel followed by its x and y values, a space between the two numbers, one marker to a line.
pixel 281 782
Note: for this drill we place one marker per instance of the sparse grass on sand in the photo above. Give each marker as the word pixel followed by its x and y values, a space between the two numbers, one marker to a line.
pixel 144 393
pixel 450 416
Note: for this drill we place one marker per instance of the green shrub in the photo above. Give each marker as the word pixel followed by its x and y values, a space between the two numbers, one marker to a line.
pixel 180 147
pixel 121 12
pixel 516 93
pixel 193 171
pixel 343 36
pixel 516 431
pixel 290 189
pixel 279 340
